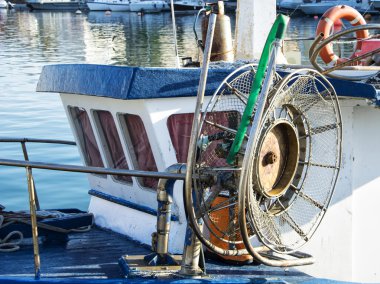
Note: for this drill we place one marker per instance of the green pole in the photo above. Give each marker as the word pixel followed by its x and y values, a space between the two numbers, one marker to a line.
pixel 277 32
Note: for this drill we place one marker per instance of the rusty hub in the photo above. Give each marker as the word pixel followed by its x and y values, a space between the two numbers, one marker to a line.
pixel 278 159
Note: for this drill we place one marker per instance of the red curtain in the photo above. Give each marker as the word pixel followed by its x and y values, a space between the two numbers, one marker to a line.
pixel 142 149
pixel 179 126
pixel 87 138
pixel 113 142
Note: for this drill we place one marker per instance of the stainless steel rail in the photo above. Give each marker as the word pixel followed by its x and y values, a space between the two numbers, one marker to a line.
pixel 90 170
pixel 36 140
pixel 33 200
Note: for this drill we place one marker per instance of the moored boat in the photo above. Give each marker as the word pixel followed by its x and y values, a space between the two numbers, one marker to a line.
pixel 56 5
pixel 290 6
pixel 188 5
pixel 320 7
pixel 148 6
pixel 5 4
pixel 109 5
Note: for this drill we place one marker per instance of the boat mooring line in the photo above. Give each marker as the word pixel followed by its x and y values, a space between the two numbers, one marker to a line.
pixel 126 203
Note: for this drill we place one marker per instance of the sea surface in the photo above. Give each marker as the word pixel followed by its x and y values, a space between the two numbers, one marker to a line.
pixel 30 40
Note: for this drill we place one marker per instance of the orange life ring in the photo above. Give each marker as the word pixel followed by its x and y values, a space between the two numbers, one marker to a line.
pixel 327 21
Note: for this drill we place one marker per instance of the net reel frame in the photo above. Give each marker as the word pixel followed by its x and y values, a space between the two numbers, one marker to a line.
pixel 198 177
pixel 267 93
pixel 245 195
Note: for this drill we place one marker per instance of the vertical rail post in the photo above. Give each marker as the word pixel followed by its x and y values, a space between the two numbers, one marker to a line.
pixel 33 219
pixel 26 157
pixel 193 246
pixel 160 241
pixel 177 65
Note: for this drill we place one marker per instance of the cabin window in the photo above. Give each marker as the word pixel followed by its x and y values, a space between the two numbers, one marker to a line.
pixel 179 126
pixel 111 143
pixel 86 137
pixel 139 147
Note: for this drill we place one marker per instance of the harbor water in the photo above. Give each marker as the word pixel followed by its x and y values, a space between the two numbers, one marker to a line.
pixel 30 40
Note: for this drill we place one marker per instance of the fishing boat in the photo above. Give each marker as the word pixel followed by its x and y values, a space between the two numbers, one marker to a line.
pixel 192 170
pixel 56 5
pixel 109 5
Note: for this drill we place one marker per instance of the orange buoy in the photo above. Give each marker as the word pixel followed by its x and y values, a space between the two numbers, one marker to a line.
pixel 327 21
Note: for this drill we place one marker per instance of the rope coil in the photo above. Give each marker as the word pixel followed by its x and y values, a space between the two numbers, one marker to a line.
pixel 8 244
pixel 11 243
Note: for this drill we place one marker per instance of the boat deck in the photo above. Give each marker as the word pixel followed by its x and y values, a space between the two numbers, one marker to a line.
pixel 93 257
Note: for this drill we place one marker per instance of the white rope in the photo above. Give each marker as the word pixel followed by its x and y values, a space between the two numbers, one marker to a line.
pixel 174 34
pixel 10 243
pixel 7 245
pixel 295 9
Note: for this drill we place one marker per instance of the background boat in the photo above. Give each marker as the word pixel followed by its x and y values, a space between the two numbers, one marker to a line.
pixel 289 5
pixel 319 7
pixel 186 5
pixel 148 6
pixel 109 5
pixel 61 5
pixel 5 4
pixel 375 4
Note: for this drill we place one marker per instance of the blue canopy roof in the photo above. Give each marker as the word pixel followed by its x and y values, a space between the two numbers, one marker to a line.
pixel 129 83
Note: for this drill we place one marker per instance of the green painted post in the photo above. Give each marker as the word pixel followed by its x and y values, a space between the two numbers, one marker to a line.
pixel 277 32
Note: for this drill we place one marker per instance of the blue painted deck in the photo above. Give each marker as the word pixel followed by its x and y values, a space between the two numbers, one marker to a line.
pixel 92 257
pixel 129 83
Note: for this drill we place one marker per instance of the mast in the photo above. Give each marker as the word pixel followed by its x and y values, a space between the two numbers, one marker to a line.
pixel 254 18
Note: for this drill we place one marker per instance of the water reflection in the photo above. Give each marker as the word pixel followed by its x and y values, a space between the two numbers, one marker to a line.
pixel 130 39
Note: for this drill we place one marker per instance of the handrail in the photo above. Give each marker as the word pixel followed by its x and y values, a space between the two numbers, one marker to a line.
pixel 33 200
pixel 313 38
pixel 36 140
pixel 23 142
pixel 90 170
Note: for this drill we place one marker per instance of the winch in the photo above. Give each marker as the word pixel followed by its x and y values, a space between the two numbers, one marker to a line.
pixel 271 148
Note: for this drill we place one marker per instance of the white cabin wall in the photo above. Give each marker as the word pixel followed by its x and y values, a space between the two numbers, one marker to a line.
pixel 366 181
pixel 346 245
pixel 134 223
pixel 139 227
pixel 159 110
pixel 254 18
pixel 332 244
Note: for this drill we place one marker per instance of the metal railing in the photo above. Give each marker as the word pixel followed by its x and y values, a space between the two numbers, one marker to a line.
pixel 33 198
